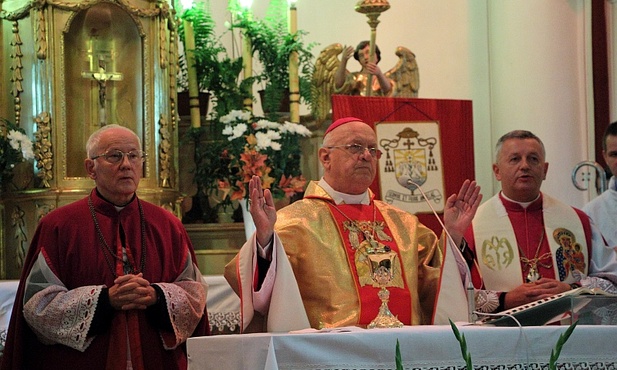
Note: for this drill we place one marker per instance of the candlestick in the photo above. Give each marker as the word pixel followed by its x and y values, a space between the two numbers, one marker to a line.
pixel 294 79
pixel 372 9
pixel 189 50
pixel 247 53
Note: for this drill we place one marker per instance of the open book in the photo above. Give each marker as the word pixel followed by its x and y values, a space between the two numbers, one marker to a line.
pixel 547 310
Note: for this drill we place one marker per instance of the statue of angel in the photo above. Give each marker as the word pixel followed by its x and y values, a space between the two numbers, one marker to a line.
pixel 331 76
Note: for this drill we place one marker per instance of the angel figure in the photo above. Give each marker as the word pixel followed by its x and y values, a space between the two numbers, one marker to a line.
pixel 331 76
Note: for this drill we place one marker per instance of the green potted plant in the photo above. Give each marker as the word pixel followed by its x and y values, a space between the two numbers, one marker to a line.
pixel 272 44
pixel 203 26
pixel 217 73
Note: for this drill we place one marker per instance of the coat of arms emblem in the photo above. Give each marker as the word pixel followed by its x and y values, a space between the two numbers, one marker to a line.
pixel 412 159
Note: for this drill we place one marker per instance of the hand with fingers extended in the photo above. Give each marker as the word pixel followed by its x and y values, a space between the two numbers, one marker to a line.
pixel 131 292
pixel 461 208
pixel 261 206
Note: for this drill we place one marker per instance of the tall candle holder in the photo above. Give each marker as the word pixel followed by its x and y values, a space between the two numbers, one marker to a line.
pixel 372 9
pixel 294 80
pixel 189 51
pixel 247 53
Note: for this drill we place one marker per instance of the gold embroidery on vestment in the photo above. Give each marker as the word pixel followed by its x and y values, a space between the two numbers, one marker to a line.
pixel 497 253
pixel 373 234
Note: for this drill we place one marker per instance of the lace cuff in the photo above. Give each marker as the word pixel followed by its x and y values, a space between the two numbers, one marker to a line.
pixel 487 301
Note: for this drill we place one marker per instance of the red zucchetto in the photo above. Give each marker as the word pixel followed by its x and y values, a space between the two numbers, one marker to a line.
pixel 340 122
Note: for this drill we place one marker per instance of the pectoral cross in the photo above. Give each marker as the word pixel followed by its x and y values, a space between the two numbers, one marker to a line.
pixel 101 76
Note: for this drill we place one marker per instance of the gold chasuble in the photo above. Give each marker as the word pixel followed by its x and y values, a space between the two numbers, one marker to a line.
pixel 326 247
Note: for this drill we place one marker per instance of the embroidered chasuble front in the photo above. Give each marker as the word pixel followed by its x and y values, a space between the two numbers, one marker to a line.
pixel 332 278
pixel 562 249
pixel 362 230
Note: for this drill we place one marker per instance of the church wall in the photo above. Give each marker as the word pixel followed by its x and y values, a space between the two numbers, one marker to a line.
pixel 539 73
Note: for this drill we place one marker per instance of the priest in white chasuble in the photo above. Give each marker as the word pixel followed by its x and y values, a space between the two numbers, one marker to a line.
pixel 525 245
pixel 307 265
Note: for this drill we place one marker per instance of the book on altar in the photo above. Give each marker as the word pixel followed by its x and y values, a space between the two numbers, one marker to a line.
pixel 588 306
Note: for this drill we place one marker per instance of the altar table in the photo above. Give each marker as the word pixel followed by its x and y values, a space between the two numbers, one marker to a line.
pixel 422 347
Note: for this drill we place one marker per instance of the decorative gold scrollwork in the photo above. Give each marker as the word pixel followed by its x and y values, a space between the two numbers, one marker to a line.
pixel 43 209
pixel 41 35
pixel 16 67
pixel 42 149
pixel 164 153
pixel 17 217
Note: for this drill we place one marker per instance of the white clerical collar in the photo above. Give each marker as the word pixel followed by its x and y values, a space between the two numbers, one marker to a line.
pixel 522 204
pixel 612 184
pixel 340 198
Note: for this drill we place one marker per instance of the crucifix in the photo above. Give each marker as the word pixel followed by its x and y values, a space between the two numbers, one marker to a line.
pixel 100 74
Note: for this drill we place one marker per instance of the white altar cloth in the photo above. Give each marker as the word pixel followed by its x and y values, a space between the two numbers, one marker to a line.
pixel 223 306
pixel 422 347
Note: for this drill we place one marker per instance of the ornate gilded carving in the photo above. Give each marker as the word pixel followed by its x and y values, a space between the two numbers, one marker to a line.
pixel 145 13
pixel 173 55
pixel 16 67
pixel 163 21
pixel 372 9
pixel 164 153
pixel 41 34
pixel 18 223
pixel 42 149
pixel 43 209
pixel 16 14
pixel 169 206
pixel 161 10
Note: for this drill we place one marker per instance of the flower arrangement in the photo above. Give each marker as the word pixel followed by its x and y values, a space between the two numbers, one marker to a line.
pixel 255 146
pixel 15 147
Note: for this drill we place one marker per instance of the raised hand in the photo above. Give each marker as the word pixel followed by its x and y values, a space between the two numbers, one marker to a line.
pixel 460 209
pixel 262 210
pixel 347 53
pixel 374 69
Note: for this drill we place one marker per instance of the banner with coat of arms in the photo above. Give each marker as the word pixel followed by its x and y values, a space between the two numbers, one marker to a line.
pixel 411 158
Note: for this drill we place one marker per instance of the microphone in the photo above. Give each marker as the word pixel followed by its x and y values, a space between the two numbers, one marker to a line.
pixel 462 266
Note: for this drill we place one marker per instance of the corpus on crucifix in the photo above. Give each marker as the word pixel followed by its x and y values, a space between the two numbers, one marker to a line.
pixel 101 76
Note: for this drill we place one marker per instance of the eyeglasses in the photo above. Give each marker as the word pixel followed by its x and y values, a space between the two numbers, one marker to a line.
pixel 117 156
pixel 357 149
